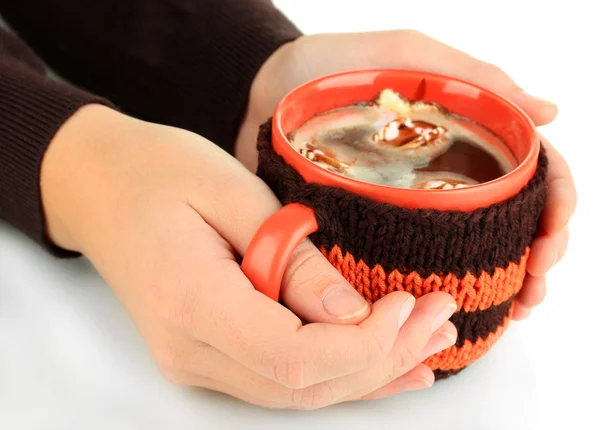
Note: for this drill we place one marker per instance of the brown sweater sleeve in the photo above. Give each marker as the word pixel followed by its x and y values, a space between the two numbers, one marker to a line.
pixel 32 108
pixel 185 63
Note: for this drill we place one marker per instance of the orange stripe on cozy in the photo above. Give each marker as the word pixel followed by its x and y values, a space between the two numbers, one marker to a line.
pixel 455 358
pixel 470 292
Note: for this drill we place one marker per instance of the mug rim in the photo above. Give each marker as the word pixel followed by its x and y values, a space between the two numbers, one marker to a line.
pixel 461 199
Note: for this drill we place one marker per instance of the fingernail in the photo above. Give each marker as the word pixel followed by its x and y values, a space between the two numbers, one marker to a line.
pixel 344 303
pixel 555 258
pixel 405 311
pixel 438 343
pixel 443 316
pixel 417 384
pixel 450 335
pixel 569 212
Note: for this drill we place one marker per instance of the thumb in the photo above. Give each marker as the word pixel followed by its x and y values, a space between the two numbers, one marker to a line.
pixel 235 203
pixel 317 292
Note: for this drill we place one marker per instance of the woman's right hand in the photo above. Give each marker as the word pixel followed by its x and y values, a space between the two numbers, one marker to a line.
pixel 163 215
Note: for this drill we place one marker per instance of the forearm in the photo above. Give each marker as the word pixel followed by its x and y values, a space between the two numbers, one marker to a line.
pixel 32 108
pixel 189 64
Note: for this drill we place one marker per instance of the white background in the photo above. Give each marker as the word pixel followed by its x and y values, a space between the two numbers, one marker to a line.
pixel 70 358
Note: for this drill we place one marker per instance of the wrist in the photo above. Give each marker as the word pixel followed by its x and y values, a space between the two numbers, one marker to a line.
pixel 71 173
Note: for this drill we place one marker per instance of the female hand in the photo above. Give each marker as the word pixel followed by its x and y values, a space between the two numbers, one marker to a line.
pixel 164 215
pixel 313 56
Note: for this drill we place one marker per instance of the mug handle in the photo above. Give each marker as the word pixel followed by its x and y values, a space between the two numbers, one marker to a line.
pixel 271 247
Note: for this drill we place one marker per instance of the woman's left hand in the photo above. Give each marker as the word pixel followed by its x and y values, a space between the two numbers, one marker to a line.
pixel 313 56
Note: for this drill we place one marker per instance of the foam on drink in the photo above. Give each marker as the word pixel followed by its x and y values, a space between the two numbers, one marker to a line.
pixel 394 142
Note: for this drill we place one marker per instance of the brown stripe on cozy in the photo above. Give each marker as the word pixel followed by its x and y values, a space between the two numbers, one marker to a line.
pixel 470 292
pixel 472 326
pixel 422 240
pixel 443 374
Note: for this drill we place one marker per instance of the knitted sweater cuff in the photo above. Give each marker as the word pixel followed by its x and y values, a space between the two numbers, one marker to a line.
pixel 32 109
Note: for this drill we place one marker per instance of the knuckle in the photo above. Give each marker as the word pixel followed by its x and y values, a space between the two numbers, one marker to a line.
pixel 412 34
pixel 168 360
pixel 375 350
pixel 314 397
pixel 411 42
pixel 171 366
pixel 390 372
pixel 288 369
pixel 175 378
pixel 296 276
pixel 407 357
pixel 389 377
pixel 494 72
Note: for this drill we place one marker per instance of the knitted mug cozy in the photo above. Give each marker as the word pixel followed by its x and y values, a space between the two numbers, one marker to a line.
pixel 478 257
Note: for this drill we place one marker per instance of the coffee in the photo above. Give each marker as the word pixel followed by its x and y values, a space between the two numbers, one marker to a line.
pixel 395 142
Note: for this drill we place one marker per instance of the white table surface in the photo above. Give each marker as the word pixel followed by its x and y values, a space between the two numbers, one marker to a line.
pixel 71 359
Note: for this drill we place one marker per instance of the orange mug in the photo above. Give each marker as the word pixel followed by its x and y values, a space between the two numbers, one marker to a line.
pixel 472 242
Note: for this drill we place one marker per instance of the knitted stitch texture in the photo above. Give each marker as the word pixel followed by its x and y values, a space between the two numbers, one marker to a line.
pixel 478 257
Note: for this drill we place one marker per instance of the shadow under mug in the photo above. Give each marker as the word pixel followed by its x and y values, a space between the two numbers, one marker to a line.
pixel 472 242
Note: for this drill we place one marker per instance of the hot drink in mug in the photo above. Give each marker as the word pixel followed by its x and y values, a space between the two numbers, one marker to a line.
pixel 398 143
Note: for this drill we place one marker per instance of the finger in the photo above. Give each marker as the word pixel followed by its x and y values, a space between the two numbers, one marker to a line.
pixel 315 291
pixel 422 52
pixel 431 313
pixel 206 367
pixel 442 339
pixel 546 252
pixel 427 332
pixel 419 378
pixel 561 199
pixel 520 312
pixel 213 362
pixel 427 329
pixel 563 242
pixel 221 387
pixel 269 339
pixel 405 355
pixel 408 49
pixel 233 379
pixel 533 291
